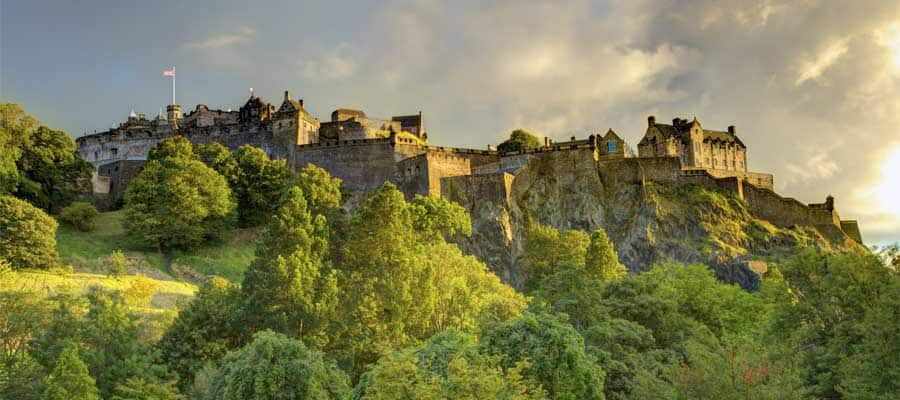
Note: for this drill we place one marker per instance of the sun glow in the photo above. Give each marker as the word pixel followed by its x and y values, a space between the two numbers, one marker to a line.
pixel 888 190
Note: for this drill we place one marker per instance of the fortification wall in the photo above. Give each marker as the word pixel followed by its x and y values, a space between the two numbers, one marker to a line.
pixel 851 228
pixel 784 211
pixel 105 148
pixel 120 173
pixel 765 181
pixel 636 170
pixel 445 164
pixel 412 176
pixel 363 165
pixel 234 136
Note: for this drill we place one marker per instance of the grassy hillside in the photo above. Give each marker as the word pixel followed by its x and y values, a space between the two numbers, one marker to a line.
pixel 167 295
pixel 85 251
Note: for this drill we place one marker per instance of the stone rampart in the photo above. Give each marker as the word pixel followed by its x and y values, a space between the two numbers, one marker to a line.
pixel 851 228
pixel 784 211
pixel 363 165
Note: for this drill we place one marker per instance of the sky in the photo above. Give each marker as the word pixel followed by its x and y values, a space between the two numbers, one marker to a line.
pixel 812 86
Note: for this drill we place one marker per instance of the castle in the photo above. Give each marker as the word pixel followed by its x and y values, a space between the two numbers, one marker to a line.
pixel 365 152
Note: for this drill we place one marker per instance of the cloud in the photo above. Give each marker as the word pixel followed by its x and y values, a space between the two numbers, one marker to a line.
pixel 242 36
pixel 333 65
pixel 814 87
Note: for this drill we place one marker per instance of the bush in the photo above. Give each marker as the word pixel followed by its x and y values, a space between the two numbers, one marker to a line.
pixel 81 214
pixel 140 292
pixel 116 264
pixel 27 235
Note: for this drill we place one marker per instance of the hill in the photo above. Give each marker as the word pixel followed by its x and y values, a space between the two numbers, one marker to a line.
pixel 85 251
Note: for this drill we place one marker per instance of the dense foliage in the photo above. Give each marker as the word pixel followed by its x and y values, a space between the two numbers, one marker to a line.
pixel 519 140
pixel 274 366
pixel 27 235
pixel 177 201
pixel 39 164
pixel 81 215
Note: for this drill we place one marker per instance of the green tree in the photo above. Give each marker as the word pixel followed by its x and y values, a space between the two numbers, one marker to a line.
pixel 27 235
pixel 401 282
pixel 113 350
pixel 177 203
pixel 435 217
pixel 290 287
pixel 447 366
pixel 23 315
pixel 274 366
pixel 467 295
pixel 70 379
pixel 81 215
pixel 52 173
pixel 16 126
pixel 601 259
pixel 519 140
pixel 385 303
pixel 841 310
pixel 173 147
pixel 64 326
pixel 321 190
pixel 141 389
pixel 204 331
pixel 546 249
pixel 217 157
pixel 259 184
pixel 554 351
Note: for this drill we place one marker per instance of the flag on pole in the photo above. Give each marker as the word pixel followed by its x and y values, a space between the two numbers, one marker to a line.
pixel 169 72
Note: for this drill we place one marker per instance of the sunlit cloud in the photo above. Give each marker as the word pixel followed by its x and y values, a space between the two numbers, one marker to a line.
pixel 242 36
pixel 814 69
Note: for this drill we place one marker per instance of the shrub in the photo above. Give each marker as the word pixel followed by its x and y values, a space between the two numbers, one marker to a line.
pixel 140 291
pixel 81 214
pixel 27 235
pixel 116 264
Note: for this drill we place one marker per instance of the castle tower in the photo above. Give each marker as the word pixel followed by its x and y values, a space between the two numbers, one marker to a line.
pixel 173 113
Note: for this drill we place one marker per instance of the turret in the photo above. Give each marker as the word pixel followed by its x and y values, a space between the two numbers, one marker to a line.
pixel 651 120
pixel 732 130
pixel 173 112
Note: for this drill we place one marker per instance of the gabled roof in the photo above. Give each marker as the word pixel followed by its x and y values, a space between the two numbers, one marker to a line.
pixel 682 132
pixel 611 134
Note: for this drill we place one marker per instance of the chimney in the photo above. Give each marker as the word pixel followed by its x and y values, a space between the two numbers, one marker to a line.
pixel 546 141
pixel 676 121
pixel 651 120
pixel 287 96
pixel 731 130
pixel 572 138
pixel 301 103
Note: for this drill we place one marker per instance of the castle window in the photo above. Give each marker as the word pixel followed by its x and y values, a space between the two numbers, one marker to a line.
pixel 114 151
pixel 611 146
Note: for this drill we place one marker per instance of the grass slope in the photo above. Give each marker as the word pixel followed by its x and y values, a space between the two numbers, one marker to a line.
pixel 85 251
pixel 168 294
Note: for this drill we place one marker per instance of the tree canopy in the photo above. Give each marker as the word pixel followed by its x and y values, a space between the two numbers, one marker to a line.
pixel 177 202
pixel 519 140
pixel 27 235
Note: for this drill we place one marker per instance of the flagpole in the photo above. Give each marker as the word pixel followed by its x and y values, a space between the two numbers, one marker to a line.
pixel 173 85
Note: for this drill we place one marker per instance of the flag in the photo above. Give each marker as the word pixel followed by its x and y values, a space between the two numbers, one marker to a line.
pixel 169 72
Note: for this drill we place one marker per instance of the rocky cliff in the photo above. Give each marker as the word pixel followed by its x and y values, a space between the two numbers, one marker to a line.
pixel 647 209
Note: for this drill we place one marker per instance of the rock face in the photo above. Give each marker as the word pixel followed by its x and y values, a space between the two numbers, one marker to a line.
pixel 649 212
